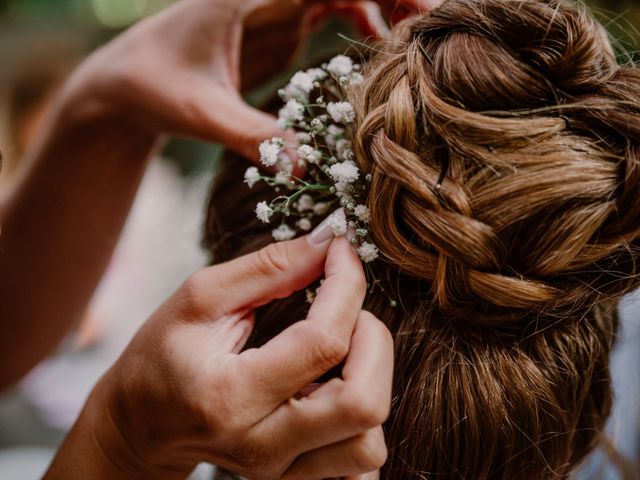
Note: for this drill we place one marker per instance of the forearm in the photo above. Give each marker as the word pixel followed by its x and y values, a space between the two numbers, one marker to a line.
pixel 96 448
pixel 61 219
pixel 109 442
pixel 83 456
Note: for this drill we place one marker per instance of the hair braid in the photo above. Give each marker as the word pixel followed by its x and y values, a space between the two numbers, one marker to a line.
pixel 498 182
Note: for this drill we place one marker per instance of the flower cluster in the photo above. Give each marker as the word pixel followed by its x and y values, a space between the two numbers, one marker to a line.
pixel 315 110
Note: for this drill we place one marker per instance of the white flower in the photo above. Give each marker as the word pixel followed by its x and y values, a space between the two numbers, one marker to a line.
pixel 333 133
pixel 293 111
pixel 305 202
pixel 341 112
pixel 337 221
pixel 286 165
pixel 368 252
pixel 290 92
pixel 320 208
pixel 270 151
pixel 309 154
pixel 344 149
pixel 317 125
pixel 344 172
pixel 302 81
pixel 251 176
pixel 283 178
pixel 298 88
pixel 356 79
pixel 311 295
pixel 264 212
pixel 343 189
pixel 363 213
pixel 304 224
pixel 283 233
pixel 317 74
pixel 303 138
pixel 335 130
pixel 340 65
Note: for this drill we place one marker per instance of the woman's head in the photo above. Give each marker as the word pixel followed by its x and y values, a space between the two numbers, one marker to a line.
pixel 502 140
pixel 522 109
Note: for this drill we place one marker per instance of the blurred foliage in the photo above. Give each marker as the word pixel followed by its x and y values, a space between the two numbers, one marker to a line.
pixel 105 13
pixel 622 19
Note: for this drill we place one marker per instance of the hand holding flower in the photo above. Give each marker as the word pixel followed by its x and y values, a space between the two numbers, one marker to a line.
pixel 184 392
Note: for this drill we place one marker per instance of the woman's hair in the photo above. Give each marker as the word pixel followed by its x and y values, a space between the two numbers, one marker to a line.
pixel 503 141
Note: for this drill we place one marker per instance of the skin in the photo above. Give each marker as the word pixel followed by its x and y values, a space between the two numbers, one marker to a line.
pixel 177 72
pixel 181 393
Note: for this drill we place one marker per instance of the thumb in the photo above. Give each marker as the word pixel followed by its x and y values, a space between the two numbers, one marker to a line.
pixel 238 126
pixel 275 271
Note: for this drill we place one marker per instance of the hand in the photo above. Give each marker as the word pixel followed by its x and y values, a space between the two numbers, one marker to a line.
pixel 183 393
pixel 280 26
pixel 179 71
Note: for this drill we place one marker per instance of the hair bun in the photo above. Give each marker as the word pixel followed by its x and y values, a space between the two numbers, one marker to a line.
pixel 530 51
pixel 504 158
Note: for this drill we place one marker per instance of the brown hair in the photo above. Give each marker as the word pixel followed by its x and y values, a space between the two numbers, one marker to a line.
pixel 503 139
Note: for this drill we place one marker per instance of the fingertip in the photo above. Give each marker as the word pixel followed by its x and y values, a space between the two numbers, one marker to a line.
pixel 342 250
pixel 368 319
pixel 342 260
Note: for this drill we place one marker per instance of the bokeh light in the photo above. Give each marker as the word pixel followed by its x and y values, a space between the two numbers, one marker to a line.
pixel 122 13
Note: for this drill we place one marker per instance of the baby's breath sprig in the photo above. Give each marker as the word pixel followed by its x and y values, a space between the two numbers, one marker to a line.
pixel 315 109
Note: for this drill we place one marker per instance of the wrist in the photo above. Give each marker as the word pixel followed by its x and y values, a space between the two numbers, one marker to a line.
pixel 89 101
pixel 81 108
pixel 85 125
pixel 125 433
pixel 99 445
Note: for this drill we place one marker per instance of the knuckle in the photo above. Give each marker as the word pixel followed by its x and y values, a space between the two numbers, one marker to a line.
pixel 370 451
pixel 192 295
pixel 273 259
pixel 221 410
pixel 364 409
pixel 378 325
pixel 327 348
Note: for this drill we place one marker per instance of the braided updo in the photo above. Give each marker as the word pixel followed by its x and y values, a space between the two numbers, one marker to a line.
pixel 503 142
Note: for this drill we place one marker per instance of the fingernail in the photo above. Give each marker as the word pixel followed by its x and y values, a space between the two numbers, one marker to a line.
pixel 325 231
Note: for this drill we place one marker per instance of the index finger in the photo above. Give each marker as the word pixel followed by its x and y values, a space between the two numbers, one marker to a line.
pixel 307 349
